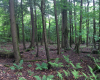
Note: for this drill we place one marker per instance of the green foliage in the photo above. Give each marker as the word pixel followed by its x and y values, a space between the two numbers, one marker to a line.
pixel 76 74
pixel 17 67
pixel 93 75
pixel 30 72
pixel 42 66
pixel 21 78
pixel 60 75
pixel 77 65
pixel 56 64
pixel 29 65
pixel 67 59
pixel 50 77
pixel 67 73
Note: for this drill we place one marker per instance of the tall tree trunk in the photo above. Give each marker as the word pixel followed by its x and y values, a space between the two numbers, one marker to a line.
pixel 99 24
pixel 65 27
pixel 77 45
pixel 36 30
pixel 87 38
pixel 16 18
pixel 57 31
pixel 80 28
pixel 33 28
pixel 62 42
pixel 18 32
pixel 70 22
pixel 94 28
pixel 24 47
pixel 75 22
pixel 14 32
pixel 44 30
pixel 49 30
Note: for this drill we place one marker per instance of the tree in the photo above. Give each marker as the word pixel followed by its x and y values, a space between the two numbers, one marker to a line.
pixel 99 25
pixel 14 32
pixel 33 28
pixel 57 31
pixel 94 28
pixel 44 32
pixel 75 22
pixel 77 45
pixel 87 22
pixel 24 47
pixel 65 26
pixel 36 29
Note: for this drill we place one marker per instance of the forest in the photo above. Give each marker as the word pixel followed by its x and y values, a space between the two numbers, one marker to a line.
pixel 50 40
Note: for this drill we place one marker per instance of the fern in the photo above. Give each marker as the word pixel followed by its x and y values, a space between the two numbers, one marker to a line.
pixel 76 74
pixel 56 64
pixel 42 66
pixel 67 59
pixel 60 75
pixel 67 73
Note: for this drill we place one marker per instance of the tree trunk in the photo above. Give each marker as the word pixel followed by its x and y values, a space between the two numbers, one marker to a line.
pixel 65 27
pixel 77 45
pixel 70 22
pixel 49 30
pixel 44 30
pixel 36 30
pixel 33 28
pixel 75 23
pixel 57 31
pixel 99 24
pixel 94 28
pixel 62 42
pixel 24 47
pixel 14 32
pixel 87 39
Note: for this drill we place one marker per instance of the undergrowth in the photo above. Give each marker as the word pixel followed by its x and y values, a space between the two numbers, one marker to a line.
pixel 74 70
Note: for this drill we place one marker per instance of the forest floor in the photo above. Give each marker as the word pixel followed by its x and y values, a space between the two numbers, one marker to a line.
pixel 29 71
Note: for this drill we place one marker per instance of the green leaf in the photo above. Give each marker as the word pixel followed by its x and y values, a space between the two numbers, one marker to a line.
pixel 72 65
pixel 22 78
pixel 78 66
pixel 44 77
pixel 50 77
pixel 37 77
pixel 75 73
pixel 56 60
pixel 66 73
pixel 60 75
pixel 21 62
pixel 86 78
pixel 44 65
pixel 12 68
pixel 29 65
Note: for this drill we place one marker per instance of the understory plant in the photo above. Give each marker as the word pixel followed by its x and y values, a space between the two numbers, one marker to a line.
pixel 42 66
pixel 50 77
pixel 17 67
pixel 56 64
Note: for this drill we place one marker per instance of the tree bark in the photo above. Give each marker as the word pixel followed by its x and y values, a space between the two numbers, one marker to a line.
pixel 24 47
pixel 36 30
pixel 57 31
pixel 65 27
pixel 33 28
pixel 14 32
pixel 94 28
pixel 75 23
pixel 87 22
pixel 44 30
pixel 99 24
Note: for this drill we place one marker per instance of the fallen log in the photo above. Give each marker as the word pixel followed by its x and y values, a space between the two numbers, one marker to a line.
pixel 6 54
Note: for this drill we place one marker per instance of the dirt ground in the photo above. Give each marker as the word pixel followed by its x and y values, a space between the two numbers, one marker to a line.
pixel 7 74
